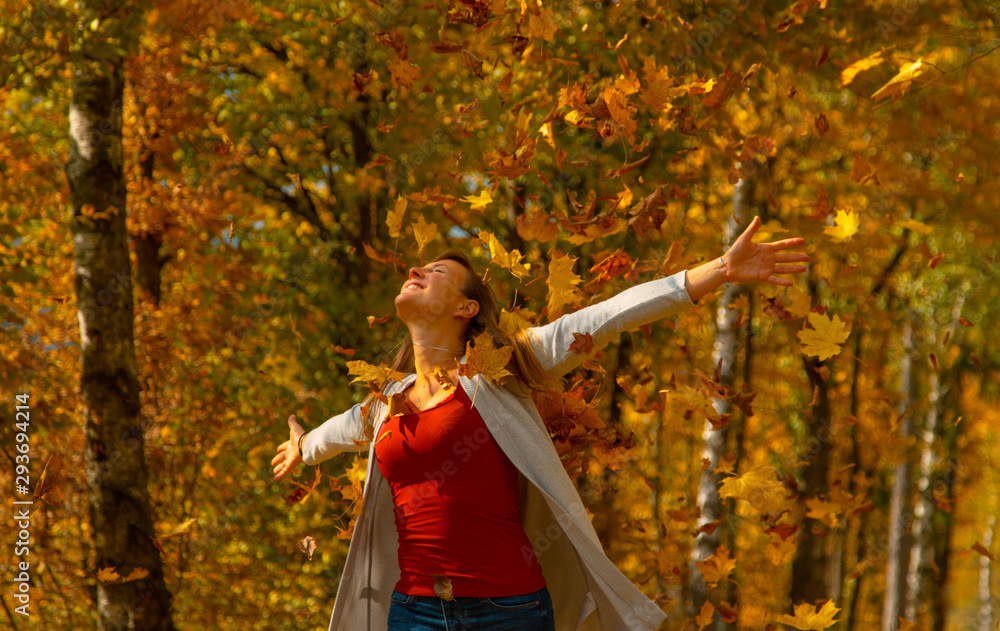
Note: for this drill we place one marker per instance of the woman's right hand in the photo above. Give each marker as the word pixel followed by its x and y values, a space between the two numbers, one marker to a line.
pixel 288 457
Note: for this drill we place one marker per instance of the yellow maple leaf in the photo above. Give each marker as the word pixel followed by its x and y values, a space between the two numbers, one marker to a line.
pixel 423 232
pixel 847 74
pixel 716 567
pixel 759 486
pixel 824 511
pixel 394 218
pixel 846 225
pixel 900 84
pixel 499 255
pixel 367 373
pixel 543 25
pixel 404 73
pixel 517 320
pixel 600 227
pixel 809 618
pixel 826 336
pixel 561 282
pixel 801 303
pixel 483 359
pixel 479 201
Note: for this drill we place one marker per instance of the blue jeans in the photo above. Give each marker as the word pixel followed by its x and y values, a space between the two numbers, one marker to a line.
pixel 529 612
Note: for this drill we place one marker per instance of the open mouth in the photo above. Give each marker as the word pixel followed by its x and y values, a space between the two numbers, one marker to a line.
pixel 412 284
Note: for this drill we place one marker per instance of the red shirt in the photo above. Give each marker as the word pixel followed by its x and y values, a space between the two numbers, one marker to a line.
pixel 457 503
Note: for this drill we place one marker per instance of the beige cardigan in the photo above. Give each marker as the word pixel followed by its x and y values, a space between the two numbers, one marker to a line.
pixel 580 577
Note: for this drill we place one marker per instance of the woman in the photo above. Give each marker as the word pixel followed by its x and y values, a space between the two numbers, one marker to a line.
pixel 469 520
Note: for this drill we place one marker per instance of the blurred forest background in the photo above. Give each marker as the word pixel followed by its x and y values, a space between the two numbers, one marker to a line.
pixel 224 195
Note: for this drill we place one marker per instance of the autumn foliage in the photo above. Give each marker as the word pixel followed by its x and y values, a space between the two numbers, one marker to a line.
pixel 286 161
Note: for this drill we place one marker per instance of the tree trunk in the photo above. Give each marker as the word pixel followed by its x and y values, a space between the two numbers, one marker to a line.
pixel 987 613
pixel 898 548
pixel 811 567
pixel 149 261
pixel 923 512
pixel 727 343
pixel 120 511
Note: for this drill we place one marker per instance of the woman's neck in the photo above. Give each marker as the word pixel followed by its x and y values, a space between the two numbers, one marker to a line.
pixel 429 353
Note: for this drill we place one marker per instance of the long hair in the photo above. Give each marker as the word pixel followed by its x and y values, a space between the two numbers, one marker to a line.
pixel 528 373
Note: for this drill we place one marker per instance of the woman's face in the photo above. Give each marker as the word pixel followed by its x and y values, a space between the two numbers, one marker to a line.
pixel 433 292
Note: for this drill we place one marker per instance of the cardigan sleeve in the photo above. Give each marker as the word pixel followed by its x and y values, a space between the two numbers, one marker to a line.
pixel 334 436
pixel 605 321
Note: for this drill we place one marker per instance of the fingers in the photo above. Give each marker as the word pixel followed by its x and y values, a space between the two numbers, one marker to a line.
pixel 750 230
pixel 292 422
pixel 774 280
pixel 786 243
pixel 792 258
pixel 788 269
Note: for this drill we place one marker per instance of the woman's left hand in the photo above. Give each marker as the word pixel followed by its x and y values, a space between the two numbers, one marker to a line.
pixel 748 262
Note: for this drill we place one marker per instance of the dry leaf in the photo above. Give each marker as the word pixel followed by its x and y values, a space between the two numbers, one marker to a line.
pixel 807 617
pixel 442 587
pixel 308 545
pixel 826 336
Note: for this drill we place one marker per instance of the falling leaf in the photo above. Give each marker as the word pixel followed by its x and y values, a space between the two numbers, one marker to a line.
pixel 442 377
pixel 367 373
pixel 442 587
pixel 706 615
pixel 389 258
pixel 847 74
pixel 981 549
pixel 308 545
pixel 717 567
pixel 479 201
pixel 801 303
pixel 483 359
pixel 826 336
pixel 543 25
pixel 423 232
pixel 537 226
pixel 900 84
pixel 107 575
pixel 180 529
pixel 914 225
pixel 583 344
pixel 343 351
pixel 846 226
pixel 394 218
pixel 403 74
pixel 372 320
pixel 137 574
pixel 562 283
pixel 517 320
pixel 510 261
pixel 808 617
pixel 759 486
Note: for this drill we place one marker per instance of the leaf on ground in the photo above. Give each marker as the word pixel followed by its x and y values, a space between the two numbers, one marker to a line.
pixel 809 618
pixel 759 486
pixel 846 225
pixel 824 339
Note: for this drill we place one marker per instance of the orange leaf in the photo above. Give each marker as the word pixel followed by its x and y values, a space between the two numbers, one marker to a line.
pixel 343 351
pixel 717 567
pixel 582 344
pixel 826 336
pixel 483 359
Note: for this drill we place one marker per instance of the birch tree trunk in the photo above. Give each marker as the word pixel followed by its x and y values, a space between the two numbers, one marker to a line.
pixel 987 614
pixel 120 512
pixel 898 544
pixel 714 441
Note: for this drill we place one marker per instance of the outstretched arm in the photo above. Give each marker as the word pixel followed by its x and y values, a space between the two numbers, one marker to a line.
pixel 747 262
pixel 744 262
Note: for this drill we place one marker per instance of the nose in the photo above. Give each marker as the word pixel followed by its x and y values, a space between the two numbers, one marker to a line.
pixel 416 272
